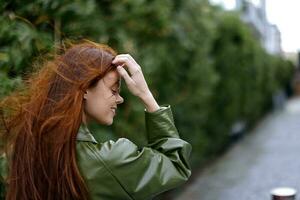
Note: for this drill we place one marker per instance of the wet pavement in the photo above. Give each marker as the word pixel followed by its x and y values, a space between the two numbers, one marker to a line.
pixel 266 158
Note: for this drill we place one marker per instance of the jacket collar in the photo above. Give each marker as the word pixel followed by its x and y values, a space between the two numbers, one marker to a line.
pixel 85 135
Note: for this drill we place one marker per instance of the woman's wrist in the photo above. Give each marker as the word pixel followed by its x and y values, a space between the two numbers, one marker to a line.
pixel 149 102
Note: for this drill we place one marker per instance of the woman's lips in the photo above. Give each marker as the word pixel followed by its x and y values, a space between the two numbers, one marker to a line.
pixel 114 110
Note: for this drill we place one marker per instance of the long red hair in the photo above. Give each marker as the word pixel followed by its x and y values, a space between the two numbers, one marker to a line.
pixel 40 121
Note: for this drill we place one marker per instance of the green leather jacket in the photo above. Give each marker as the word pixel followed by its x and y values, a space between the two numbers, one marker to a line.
pixel 119 170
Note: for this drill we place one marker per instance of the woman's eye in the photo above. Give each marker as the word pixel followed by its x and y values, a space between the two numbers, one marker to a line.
pixel 114 92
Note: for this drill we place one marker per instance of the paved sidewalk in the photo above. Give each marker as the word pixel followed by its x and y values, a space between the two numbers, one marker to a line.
pixel 266 158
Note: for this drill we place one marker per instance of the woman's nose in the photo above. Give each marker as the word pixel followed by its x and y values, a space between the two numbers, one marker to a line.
pixel 119 99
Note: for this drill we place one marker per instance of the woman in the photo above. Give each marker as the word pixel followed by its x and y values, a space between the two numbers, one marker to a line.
pixel 48 151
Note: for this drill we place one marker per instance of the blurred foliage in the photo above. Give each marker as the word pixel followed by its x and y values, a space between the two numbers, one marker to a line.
pixel 200 59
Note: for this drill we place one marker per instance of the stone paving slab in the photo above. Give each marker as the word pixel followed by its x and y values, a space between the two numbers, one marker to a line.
pixel 266 158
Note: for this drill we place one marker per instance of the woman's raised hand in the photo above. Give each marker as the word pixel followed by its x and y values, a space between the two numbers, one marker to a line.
pixel 135 82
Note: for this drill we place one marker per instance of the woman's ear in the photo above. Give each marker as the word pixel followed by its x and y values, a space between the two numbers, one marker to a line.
pixel 85 94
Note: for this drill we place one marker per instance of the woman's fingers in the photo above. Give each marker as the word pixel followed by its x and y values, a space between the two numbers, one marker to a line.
pixel 134 78
pixel 130 63
pixel 125 75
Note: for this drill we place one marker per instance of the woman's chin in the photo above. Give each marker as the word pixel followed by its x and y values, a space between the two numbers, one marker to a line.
pixel 107 123
pixel 110 123
pixel 104 121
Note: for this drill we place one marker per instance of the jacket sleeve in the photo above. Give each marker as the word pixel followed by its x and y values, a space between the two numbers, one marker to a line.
pixel 160 166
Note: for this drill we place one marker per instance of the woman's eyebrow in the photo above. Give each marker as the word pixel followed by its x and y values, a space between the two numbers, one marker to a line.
pixel 117 82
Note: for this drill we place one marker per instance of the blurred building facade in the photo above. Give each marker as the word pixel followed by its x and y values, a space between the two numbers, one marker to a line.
pixel 253 12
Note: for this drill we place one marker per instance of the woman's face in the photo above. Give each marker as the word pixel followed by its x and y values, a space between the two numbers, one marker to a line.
pixel 100 102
